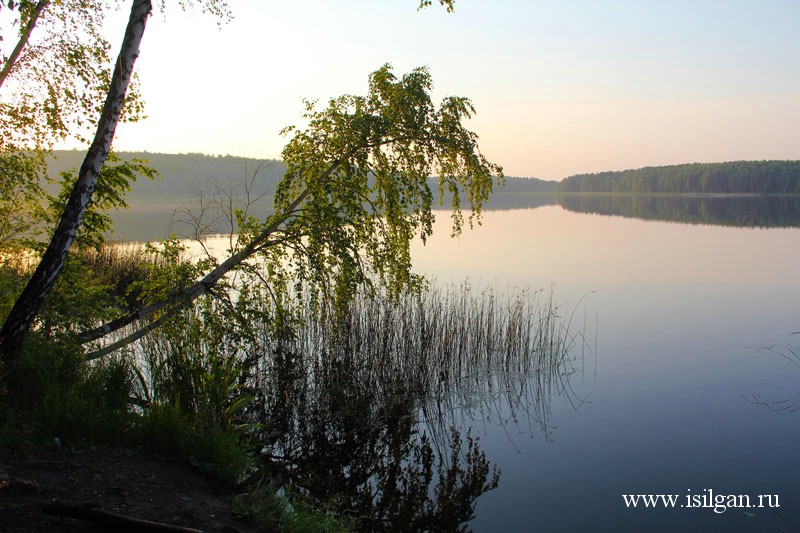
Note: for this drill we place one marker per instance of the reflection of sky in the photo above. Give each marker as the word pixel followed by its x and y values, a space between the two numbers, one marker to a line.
pixel 552 245
pixel 680 311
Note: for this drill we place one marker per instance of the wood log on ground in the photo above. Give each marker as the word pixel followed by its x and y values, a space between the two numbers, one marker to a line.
pixel 112 520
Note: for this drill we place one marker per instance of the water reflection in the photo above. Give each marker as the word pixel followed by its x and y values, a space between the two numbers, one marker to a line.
pixel 157 220
pixel 740 211
pixel 368 415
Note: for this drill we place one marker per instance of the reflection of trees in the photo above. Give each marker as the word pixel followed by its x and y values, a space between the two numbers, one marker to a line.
pixel 749 177
pixel 742 211
pixel 356 446
pixel 363 414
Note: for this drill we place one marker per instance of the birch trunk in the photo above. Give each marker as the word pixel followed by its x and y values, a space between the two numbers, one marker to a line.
pixel 30 301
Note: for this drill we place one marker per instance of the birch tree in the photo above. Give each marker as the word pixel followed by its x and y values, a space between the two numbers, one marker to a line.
pixel 355 194
pixel 30 301
pixel 41 283
pixel 55 69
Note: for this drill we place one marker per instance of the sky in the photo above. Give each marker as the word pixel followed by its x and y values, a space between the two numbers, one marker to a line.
pixel 560 87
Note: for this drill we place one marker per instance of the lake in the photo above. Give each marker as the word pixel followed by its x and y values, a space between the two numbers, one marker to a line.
pixel 675 380
pixel 685 378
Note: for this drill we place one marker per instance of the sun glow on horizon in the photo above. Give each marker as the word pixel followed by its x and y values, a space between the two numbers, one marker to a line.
pixel 559 89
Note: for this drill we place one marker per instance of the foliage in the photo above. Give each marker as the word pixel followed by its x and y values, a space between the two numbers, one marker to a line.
pixel 356 187
pixel 21 209
pixel 26 210
pixel 449 4
pixel 272 509
pixel 216 451
pixel 115 179
pixel 191 394
pixel 13 275
pixel 96 285
pixel 115 99
pixel 183 175
pixel 56 87
pixel 54 77
pixel 355 194
pixel 337 400
pixel 191 379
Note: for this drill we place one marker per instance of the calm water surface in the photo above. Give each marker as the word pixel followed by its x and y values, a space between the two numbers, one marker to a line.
pixel 674 380
pixel 673 376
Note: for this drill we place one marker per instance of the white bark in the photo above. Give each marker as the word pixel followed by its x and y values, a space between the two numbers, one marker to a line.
pixel 41 283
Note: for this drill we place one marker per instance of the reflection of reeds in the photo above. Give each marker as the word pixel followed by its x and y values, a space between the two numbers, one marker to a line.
pixel 787 405
pixel 456 351
pixel 373 407
pixel 370 409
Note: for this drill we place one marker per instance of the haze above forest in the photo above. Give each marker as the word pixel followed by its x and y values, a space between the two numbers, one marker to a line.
pixel 186 176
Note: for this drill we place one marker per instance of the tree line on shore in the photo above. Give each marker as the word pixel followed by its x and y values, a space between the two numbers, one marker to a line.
pixel 737 177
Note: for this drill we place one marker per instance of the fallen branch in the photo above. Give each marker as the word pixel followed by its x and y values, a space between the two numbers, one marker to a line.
pixel 112 520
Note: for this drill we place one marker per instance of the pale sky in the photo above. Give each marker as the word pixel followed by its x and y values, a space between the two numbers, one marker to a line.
pixel 561 87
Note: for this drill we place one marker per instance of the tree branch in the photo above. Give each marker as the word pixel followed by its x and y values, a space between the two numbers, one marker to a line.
pixel 180 300
pixel 23 40
pixel 112 520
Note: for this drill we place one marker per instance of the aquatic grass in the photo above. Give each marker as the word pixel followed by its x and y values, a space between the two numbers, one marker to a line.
pixel 447 334
pixel 789 405
pixel 456 350
pixel 346 403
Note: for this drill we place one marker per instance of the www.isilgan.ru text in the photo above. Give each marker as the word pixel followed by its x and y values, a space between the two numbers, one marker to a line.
pixel 707 499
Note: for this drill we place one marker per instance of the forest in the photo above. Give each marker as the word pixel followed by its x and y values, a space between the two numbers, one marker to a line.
pixel 737 177
pixel 183 177
pixel 158 208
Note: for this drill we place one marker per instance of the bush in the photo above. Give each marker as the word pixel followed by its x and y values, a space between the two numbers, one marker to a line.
pixel 50 392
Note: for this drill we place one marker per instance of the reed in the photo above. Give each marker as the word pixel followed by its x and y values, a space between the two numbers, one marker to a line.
pixel 452 347
pixel 367 408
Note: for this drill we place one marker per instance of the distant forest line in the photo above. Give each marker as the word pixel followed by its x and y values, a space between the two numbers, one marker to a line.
pixel 738 177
